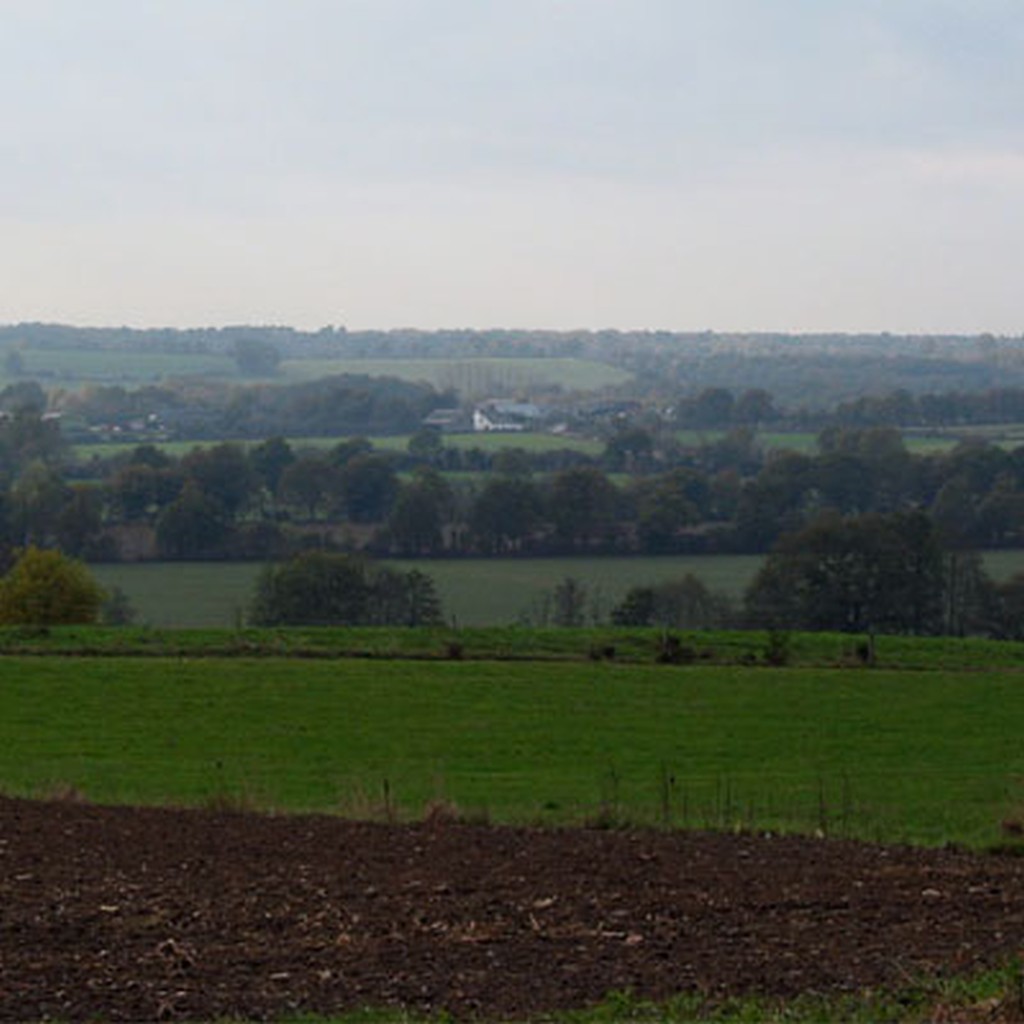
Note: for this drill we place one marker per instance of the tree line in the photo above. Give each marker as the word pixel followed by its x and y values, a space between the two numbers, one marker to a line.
pixel 272 498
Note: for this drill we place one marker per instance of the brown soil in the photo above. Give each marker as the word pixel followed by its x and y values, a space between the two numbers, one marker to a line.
pixel 143 914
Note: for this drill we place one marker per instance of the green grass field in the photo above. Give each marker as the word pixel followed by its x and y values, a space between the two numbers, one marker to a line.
pixel 530 442
pixel 73 367
pixel 925 757
pixel 474 591
pixel 479 377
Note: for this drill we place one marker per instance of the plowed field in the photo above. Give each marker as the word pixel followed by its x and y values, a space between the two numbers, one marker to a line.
pixel 143 914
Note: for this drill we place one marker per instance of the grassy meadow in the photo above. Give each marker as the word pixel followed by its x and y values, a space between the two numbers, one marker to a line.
pixel 898 755
pixel 531 442
pixel 474 591
pixel 478 377
pixel 73 367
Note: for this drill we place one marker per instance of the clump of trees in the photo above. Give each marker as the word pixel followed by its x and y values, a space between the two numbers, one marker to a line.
pixel 686 603
pixel 328 589
pixel 871 573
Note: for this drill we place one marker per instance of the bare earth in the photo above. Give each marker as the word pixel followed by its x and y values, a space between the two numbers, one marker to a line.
pixel 144 914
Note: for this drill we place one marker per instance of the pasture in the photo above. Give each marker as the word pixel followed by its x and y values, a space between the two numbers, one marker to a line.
pixel 918 756
pixel 473 591
pixel 472 378
pixel 77 367
pixel 476 377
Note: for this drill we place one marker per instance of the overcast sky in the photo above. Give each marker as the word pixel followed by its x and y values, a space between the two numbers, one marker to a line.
pixel 676 164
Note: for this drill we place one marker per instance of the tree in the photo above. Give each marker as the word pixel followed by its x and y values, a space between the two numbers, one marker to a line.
pixel 629 449
pixel 37 500
pixel 46 588
pixel 223 474
pixel 369 487
pixel 512 462
pixel 426 445
pixel 26 438
pixel 415 524
pixel 80 522
pixel 139 491
pixel 192 526
pixel 269 459
pixel 681 604
pixel 403 599
pixel 309 482
pixel 505 514
pixel 857 574
pixel 323 589
pixel 666 504
pixel 582 505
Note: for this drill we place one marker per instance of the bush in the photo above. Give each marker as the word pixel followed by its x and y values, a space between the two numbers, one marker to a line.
pixel 325 589
pixel 46 588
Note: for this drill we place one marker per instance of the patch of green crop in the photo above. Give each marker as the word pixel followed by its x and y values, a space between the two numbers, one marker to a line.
pixel 921 756
pixel 480 376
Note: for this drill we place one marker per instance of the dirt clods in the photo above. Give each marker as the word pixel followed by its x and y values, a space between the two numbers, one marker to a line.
pixel 157 914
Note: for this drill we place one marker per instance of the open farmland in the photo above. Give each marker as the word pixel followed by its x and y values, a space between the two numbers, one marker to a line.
pixel 125 913
pixel 474 592
pixel 76 367
pixel 929 756
pixel 477 378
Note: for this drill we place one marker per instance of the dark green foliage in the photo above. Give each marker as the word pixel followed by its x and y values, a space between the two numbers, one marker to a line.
pixel 192 526
pixel 269 459
pixel 415 524
pixel 505 514
pixel 682 604
pixel 223 474
pixel 858 574
pixel 666 505
pixel 582 506
pixel 368 488
pixel 322 589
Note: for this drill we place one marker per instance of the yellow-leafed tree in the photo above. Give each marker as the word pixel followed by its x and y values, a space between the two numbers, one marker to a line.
pixel 46 588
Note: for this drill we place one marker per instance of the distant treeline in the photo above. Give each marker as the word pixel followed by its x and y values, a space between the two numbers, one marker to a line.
pixel 801 371
pixel 721 408
pixel 644 493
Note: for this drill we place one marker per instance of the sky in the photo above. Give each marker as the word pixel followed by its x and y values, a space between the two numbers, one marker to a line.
pixel 726 165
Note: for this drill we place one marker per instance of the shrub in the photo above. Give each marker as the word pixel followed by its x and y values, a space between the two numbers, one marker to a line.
pixel 46 588
pixel 326 589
